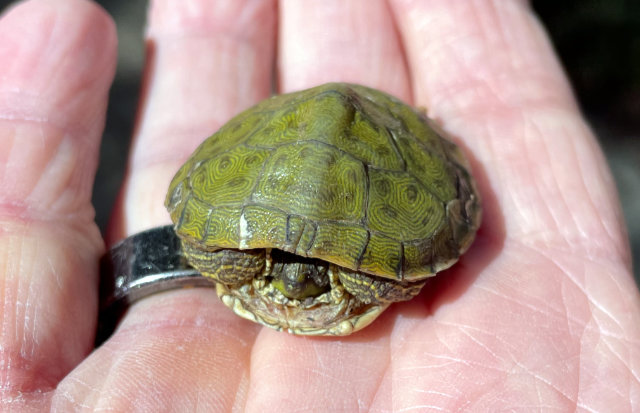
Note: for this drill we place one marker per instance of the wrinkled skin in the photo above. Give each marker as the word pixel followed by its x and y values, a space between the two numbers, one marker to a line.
pixel 542 313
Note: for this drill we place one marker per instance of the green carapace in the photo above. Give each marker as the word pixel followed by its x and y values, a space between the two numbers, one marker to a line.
pixel 315 210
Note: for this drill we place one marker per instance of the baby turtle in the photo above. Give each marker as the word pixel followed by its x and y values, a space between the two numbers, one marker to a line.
pixel 315 210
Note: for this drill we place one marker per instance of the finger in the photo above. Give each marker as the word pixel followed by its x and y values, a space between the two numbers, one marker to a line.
pixel 321 373
pixel 58 60
pixel 488 72
pixel 183 349
pixel 329 41
pixel 177 351
pixel 205 63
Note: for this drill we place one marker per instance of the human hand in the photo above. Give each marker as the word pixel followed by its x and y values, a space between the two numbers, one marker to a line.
pixel 541 313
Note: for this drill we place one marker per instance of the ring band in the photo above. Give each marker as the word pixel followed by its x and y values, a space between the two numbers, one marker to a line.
pixel 138 266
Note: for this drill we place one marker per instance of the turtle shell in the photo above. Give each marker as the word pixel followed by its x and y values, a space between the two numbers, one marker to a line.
pixel 339 172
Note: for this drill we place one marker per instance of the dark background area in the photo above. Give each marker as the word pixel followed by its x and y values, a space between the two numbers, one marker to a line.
pixel 597 40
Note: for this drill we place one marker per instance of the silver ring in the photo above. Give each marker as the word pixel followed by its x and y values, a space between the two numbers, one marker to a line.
pixel 138 266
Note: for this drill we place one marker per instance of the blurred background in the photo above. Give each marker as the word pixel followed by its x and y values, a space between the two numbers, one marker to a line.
pixel 597 40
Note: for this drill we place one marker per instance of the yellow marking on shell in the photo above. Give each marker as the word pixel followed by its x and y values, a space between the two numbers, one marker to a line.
pixel 445 253
pixel 421 146
pixel 223 228
pixel 313 180
pixel 339 243
pixel 229 177
pixel 318 116
pixel 369 142
pixel 300 236
pixel 265 227
pixel 233 133
pixel 382 256
pixel 400 208
pixel 285 125
pixel 413 120
pixel 418 259
pixel 335 117
pixel 430 170
pixel 193 219
pixel 442 253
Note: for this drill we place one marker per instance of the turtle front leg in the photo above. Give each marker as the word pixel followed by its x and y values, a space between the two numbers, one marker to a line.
pixel 228 266
pixel 378 290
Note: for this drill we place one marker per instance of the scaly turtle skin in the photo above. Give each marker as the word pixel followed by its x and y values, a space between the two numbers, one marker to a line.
pixel 314 210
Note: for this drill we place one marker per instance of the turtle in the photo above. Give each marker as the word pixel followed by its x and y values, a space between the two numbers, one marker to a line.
pixel 313 211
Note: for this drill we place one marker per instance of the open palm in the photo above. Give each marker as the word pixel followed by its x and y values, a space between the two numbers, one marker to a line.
pixel 541 314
